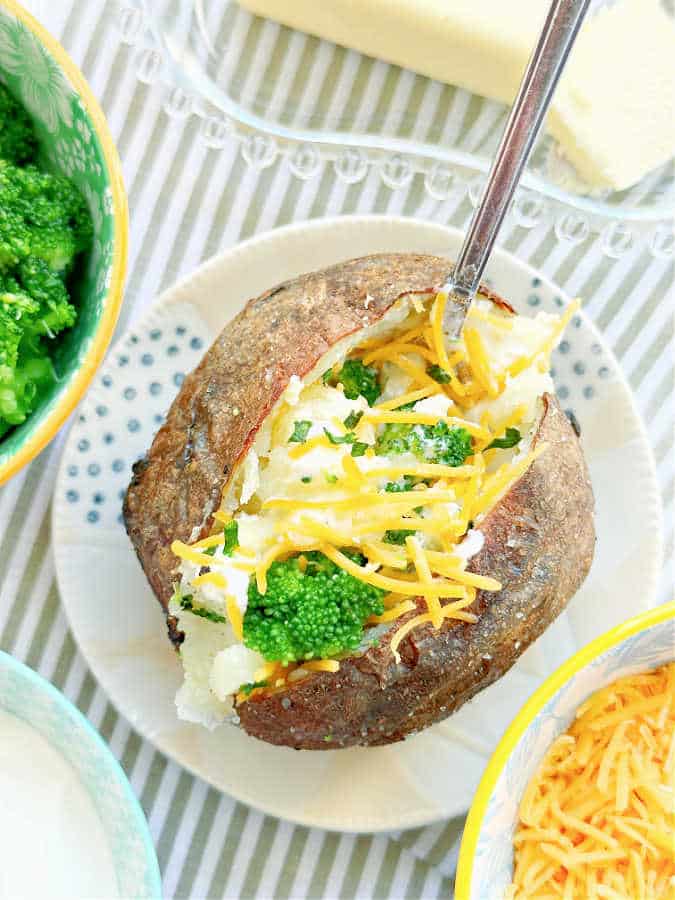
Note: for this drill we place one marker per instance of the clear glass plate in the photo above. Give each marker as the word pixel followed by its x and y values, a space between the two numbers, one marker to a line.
pixel 283 92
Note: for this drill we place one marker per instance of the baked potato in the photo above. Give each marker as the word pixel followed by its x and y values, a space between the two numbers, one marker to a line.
pixel 352 528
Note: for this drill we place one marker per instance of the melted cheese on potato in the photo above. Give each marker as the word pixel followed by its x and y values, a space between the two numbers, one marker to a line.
pixel 302 494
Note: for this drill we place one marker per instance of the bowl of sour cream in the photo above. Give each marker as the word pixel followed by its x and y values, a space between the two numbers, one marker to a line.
pixel 70 825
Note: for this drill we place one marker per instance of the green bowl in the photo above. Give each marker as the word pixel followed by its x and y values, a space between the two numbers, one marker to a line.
pixel 74 141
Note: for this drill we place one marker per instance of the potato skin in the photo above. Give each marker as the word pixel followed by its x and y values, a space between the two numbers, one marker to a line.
pixel 539 538
pixel 539 543
pixel 213 421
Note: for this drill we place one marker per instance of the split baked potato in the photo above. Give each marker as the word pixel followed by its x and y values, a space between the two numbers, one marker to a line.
pixel 352 528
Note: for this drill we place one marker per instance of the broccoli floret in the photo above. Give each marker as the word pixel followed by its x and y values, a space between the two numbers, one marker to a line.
pixel 394 439
pixel 44 224
pixel 17 138
pixel 19 387
pixel 318 612
pixel 43 216
pixel 359 381
pixel 41 296
pixel 440 443
pixel 34 307
pixel 16 312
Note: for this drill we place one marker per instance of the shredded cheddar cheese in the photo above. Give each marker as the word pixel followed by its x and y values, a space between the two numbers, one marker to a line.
pixel 184 551
pixel 421 564
pixel 322 665
pixel 235 616
pixel 213 540
pixel 351 509
pixel 480 365
pixel 394 612
pixel 411 588
pixel 598 818
pixel 410 397
pixel 299 450
pixel 416 418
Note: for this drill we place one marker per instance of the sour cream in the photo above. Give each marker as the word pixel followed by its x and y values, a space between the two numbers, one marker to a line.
pixel 53 842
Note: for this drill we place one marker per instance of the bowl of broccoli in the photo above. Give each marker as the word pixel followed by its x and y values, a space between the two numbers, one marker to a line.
pixel 63 237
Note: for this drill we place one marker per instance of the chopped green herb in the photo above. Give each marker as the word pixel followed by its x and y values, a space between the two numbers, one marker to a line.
pixel 178 597
pixel 210 551
pixel 406 407
pixel 331 479
pixel 398 487
pixel 397 536
pixel 353 419
pixel 348 438
pixel 202 612
pixel 231 532
pixel 327 375
pixel 510 439
pixel 246 689
pixel 306 479
pixel 328 738
pixel 438 374
pixel 359 381
pixel 359 448
pixel 300 432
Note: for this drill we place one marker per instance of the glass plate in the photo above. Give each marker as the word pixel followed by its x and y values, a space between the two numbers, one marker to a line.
pixel 282 92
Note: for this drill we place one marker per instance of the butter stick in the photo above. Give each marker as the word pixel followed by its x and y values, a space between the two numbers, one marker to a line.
pixel 614 112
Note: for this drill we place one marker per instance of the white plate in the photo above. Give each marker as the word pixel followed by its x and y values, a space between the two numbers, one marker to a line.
pixel 118 624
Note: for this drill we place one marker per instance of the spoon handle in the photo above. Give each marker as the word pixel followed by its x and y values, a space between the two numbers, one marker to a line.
pixel 525 119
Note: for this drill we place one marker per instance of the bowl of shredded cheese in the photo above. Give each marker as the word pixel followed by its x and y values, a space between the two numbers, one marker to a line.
pixel 578 800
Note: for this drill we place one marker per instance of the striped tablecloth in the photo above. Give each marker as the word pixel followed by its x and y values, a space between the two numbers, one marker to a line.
pixel 187 202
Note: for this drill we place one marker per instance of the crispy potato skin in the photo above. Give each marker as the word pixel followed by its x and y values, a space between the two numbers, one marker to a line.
pixel 539 542
pixel 213 421
pixel 539 538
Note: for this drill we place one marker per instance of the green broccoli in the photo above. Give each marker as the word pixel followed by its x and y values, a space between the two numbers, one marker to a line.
pixel 439 443
pixel 44 225
pixel 42 215
pixel 19 387
pixel 318 612
pixel 359 381
pixel 17 138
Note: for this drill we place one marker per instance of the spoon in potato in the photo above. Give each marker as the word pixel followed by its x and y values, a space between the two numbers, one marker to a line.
pixel 525 119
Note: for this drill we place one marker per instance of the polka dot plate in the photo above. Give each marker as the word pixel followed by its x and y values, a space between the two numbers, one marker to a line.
pixel 118 623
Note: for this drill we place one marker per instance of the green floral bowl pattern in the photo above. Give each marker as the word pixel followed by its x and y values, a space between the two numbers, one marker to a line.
pixel 26 695
pixel 74 141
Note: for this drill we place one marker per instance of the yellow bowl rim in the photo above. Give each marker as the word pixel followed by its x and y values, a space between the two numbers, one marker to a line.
pixel 522 721
pixel 104 332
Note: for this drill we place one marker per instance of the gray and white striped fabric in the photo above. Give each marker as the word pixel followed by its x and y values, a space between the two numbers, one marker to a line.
pixel 187 202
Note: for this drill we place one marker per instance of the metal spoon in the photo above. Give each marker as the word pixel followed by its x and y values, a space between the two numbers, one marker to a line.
pixel 527 114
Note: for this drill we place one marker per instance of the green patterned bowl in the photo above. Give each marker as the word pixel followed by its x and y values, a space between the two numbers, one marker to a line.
pixel 75 141
pixel 24 694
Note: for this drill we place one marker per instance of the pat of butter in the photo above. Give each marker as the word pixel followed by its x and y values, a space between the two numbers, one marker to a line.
pixel 614 112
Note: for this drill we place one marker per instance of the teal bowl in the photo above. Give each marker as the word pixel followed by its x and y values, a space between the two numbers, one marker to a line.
pixel 74 141
pixel 30 698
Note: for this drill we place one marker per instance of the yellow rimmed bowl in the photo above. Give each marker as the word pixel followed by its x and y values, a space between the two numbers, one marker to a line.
pixel 485 866
pixel 75 141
